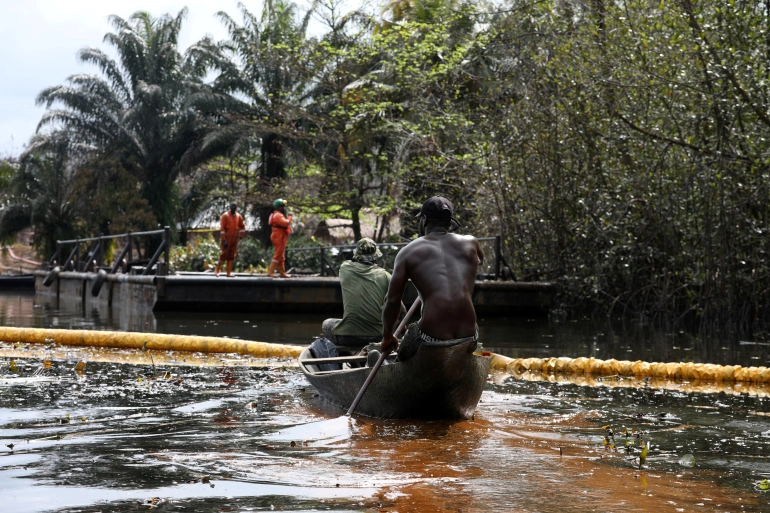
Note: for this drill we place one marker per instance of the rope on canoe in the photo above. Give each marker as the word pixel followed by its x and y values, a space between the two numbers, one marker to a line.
pixel 638 369
pixel 157 341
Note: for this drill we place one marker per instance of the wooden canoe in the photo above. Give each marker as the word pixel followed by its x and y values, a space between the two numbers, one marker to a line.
pixel 438 382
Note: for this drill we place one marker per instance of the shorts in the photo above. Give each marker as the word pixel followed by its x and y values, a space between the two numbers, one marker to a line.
pixel 414 338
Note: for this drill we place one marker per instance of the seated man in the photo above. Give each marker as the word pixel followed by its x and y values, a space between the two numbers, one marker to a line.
pixel 442 266
pixel 364 285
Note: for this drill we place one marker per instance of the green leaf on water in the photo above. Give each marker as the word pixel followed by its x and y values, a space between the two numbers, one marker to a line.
pixel 764 484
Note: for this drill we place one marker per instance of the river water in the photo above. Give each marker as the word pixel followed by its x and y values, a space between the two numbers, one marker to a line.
pixel 188 432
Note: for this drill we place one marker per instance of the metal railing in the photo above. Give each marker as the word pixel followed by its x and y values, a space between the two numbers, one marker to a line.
pixel 324 258
pixel 93 258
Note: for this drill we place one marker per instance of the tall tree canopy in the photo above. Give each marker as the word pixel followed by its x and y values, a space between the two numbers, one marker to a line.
pixel 43 193
pixel 141 109
pixel 620 149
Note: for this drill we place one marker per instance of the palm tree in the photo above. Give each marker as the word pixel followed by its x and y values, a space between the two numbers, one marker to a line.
pixel 7 170
pixel 263 90
pixel 253 71
pixel 42 193
pixel 141 109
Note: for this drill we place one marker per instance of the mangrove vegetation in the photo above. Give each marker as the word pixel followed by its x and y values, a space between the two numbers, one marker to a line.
pixel 621 149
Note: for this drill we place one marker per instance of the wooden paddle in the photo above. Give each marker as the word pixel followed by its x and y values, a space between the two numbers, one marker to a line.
pixel 334 430
pixel 384 355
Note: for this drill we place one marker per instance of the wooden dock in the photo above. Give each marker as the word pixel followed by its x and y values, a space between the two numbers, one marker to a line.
pixel 258 293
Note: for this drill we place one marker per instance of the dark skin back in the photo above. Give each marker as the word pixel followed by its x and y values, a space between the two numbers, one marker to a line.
pixel 442 267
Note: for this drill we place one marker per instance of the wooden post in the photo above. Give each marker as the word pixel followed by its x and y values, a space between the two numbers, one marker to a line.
pixel 167 253
pixel 100 250
pixel 130 253
pixel 76 260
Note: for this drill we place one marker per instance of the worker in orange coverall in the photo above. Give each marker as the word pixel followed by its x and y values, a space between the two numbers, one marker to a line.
pixel 281 226
pixel 232 229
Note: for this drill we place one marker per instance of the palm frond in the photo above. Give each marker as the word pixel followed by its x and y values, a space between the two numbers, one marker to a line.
pixel 109 68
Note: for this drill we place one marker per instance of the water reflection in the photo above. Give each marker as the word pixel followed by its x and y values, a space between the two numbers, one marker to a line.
pixel 515 337
pixel 122 437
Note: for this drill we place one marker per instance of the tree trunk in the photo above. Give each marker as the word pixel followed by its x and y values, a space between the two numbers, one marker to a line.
pixel 263 234
pixel 354 215
pixel 272 157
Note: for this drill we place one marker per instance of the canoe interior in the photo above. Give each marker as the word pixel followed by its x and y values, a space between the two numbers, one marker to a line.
pixel 436 383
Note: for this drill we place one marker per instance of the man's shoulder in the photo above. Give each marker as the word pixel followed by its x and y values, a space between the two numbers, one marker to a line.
pixel 380 271
pixel 349 267
pixel 414 249
pixel 424 242
pixel 464 238
pixel 415 244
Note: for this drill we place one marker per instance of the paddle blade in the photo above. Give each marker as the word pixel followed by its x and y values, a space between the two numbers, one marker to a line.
pixel 325 431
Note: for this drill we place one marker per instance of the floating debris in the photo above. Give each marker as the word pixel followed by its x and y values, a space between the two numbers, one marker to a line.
pixel 643 455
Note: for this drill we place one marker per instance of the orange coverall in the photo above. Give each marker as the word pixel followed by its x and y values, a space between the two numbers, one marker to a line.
pixel 280 235
pixel 234 228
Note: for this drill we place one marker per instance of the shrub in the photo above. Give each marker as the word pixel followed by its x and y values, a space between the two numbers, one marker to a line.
pixel 200 255
pixel 252 257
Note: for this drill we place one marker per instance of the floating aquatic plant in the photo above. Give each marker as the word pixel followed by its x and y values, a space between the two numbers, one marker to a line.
pixel 643 455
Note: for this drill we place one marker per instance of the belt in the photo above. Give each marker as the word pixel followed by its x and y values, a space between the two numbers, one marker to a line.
pixel 432 340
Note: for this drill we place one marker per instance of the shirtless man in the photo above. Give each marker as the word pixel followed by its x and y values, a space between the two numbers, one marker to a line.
pixel 442 265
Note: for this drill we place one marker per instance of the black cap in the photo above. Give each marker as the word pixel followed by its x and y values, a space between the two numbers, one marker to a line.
pixel 438 207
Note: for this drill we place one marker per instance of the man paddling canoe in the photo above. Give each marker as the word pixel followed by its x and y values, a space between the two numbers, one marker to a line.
pixel 442 266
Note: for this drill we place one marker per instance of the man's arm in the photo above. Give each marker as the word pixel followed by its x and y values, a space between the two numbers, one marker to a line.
pixel 281 221
pixel 393 305
pixel 241 227
pixel 479 252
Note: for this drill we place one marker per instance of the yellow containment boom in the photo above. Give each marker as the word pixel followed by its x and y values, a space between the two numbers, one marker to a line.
pixel 157 341
pixel 699 386
pixel 638 369
pixel 517 367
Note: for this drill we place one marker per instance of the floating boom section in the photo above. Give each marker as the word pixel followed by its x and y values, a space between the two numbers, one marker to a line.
pixel 695 386
pixel 515 366
pixel 638 369
pixel 158 341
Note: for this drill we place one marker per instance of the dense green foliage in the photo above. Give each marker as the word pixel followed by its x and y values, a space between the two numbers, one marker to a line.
pixel 202 254
pixel 621 149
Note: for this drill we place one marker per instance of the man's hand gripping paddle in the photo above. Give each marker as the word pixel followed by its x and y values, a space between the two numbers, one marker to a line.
pixel 381 360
